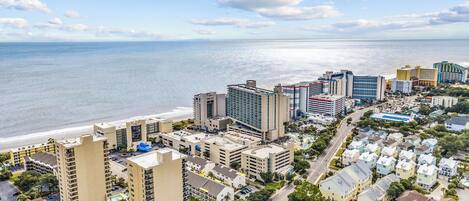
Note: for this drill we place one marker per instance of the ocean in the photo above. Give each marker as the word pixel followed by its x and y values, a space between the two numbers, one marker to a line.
pixel 47 86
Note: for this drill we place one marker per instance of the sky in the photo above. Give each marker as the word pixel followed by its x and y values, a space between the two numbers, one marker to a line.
pixel 162 20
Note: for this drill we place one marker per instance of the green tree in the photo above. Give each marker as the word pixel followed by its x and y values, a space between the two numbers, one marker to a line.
pixel 261 195
pixel 306 191
pixel 395 190
pixel 267 177
pixel 4 157
pixel 235 165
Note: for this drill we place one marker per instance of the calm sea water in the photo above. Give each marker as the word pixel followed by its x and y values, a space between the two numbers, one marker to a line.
pixel 46 86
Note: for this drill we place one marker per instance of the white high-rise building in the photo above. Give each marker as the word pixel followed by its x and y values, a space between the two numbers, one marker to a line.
pixel 208 106
pixel 331 105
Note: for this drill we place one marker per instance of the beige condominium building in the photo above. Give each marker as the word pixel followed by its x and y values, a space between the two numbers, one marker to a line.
pixel 209 111
pixel 17 155
pixel 260 112
pixel 222 150
pixel 130 133
pixel 267 158
pixel 185 141
pixel 158 175
pixel 83 168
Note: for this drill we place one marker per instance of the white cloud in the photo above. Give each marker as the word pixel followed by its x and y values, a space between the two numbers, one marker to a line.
pixel 28 5
pixel 300 13
pixel 75 27
pixel 244 23
pixel 205 31
pixel 72 14
pixel 456 14
pixel 130 33
pixel 14 22
pixel 283 9
pixel 55 21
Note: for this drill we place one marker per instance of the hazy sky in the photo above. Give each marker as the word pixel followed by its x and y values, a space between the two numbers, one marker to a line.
pixel 105 20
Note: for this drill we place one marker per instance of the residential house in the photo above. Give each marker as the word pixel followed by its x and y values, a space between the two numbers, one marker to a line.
pixel 389 151
pixel 426 159
pixel 346 183
pixel 407 155
pixel 431 142
pixel 414 196
pixel 413 139
pixel 405 169
pixel 398 137
pixel 390 142
pixel 350 156
pixel 405 146
pixel 369 158
pixel 373 148
pixel 427 176
pixel 448 167
pixel 377 192
pixel 358 145
pixel 423 149
pixel 385 165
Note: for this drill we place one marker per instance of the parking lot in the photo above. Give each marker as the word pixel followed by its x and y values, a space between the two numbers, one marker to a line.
pixel 7 191
pixel 244 192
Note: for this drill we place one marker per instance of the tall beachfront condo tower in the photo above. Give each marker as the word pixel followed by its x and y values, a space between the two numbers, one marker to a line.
pixel 418 75
pixel 339 83
pixel 208 106
pixel 298 95
pixel 369 87
pixel 83 168
pixel 450 72
pixel 256 111
pixel 157 176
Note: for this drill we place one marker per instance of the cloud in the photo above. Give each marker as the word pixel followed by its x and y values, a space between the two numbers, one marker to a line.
pixel 205 31
pixel 103 31
pixel 56 23
pixel 72 14
pixel 243 23
pixel 14 22
pixel 456 14
pixel 28 5
pixel 283 9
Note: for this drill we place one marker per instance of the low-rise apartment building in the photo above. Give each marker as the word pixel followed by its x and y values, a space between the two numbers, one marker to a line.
pixel 444 101
pixel 43 163
pixel 346 183
pixel 198 165
pixel 189 142
pixel 229 176
pixel 206 189
pixel 267 158
pixel 17 155
pixel 158 176
pixel 128 134
pixel 222 150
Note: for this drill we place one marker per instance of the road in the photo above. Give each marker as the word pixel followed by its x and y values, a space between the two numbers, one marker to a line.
pixel 320 166
pixel 7 191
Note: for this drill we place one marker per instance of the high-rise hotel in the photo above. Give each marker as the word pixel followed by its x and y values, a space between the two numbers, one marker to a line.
pixel 83 168
pixel 157 176
pixel 418 75
pixel 450 72
pixel 210 111
pixel 256 111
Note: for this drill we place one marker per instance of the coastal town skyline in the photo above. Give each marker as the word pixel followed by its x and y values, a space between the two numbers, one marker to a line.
pixel 43 20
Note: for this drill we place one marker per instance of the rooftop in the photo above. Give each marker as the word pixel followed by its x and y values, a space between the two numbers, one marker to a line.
pixel 197 160
pixel 264 151
pixel 386 161
pixel 379 189
pixel 192 137
pixel 347 178
pixel 458 121
pixel 323 97
pixel 413 196
pixel 368 156
pixel 405 165
pixel 74 142
pixel 426 169
pixel 43 157
pixel 155 158
pixel 198 182
pixel 392 117
pixel 228 172
pixel 225 143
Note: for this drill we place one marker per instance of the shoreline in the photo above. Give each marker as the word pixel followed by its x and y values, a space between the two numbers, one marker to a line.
pixel 177 114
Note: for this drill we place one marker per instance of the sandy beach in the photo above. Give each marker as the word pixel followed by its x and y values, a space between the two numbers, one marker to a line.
pixel 180 113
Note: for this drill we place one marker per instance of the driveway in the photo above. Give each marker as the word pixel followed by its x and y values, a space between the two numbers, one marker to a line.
pixel 7 190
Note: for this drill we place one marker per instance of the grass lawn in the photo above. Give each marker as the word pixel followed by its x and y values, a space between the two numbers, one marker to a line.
pixel 275 185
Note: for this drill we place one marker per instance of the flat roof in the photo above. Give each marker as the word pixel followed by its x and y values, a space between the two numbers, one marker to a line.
pixel 73 142
pixel 150 159
pixel 264 151
pixel 223 142
pixel 392 117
